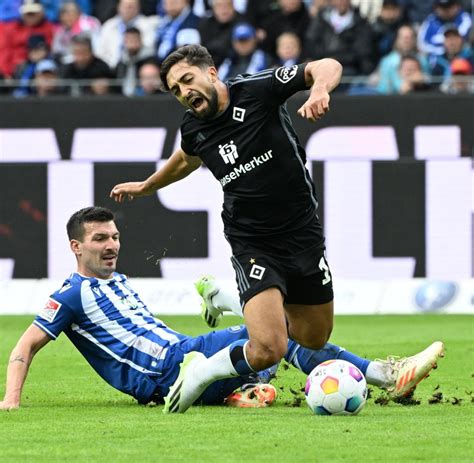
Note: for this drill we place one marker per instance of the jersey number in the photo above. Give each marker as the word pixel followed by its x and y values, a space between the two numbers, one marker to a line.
pixel 325 268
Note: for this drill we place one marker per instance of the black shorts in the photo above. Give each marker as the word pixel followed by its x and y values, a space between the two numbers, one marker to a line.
pixel 301 273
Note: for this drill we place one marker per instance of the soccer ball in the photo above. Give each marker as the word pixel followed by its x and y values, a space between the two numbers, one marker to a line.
pixel 336 387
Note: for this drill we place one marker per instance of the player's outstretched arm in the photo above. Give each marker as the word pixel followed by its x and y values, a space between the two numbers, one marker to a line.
pixel 32 341
pixel 178 166
pixel 322 76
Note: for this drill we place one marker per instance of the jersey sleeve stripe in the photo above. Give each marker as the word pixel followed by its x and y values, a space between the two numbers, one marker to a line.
pixel 258 76
pixel 39 325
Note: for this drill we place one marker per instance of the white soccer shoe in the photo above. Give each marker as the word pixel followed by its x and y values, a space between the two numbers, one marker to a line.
pixel 186 389
pixel 207 288
pixel 407 372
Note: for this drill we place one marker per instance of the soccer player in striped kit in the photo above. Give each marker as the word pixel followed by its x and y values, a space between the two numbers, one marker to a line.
pixel 136 352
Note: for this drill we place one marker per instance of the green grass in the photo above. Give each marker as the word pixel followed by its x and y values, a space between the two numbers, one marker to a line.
pixel 69 413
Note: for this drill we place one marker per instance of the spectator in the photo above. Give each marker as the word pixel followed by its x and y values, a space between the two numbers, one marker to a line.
pixel 417 10
pixel 461 80
pixel 113 30
pixel 179 27
pixel 385 27
pixel 106 9
pixel 412 77
pixel 14 35
pixel 317 5
pixel 86 67
pixel 258 10
pixel 133 54
pixel 52 8
pixel 454 47
pixel 25 72
pixel 46 79
pixel 245 57
pixel 73 22
pixel 430 35
pixel 288 49
pixel 149 78
pixel 389 80
pixel 216 30
pixel 368 9
pixel 291 15
pixel 200 8
pixel 340 32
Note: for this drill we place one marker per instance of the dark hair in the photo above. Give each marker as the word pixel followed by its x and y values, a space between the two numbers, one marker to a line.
pixel 70 3
pixel 133 30
pixel 82 39
pixel 410 57
pixel 75 224
pixel 195 55
pixel 151 60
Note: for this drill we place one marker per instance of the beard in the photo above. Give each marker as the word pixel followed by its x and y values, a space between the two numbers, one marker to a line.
pixel 212 105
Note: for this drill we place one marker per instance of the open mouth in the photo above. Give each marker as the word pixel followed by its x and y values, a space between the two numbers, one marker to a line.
pixel 196 102
pixel 109 258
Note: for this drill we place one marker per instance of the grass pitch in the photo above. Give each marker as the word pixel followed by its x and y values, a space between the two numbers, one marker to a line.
pixel 69 413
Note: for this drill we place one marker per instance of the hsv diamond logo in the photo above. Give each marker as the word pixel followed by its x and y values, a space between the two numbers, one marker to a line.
pixel 229 152
pixel 257 271
pixel 285 74
pixel 50 310
pixel 238 114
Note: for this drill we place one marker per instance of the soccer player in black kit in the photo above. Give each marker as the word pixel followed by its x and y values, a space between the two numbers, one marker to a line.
pixel 242 132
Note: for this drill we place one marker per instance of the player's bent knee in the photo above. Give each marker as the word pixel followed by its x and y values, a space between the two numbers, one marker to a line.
pixel 269 354
pixel 313 341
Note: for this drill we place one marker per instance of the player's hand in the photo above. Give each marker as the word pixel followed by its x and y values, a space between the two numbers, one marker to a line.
pixel 316 106
pixel 7 406
pixel 129 190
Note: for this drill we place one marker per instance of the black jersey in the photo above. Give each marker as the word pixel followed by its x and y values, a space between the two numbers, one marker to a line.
pixel 254 152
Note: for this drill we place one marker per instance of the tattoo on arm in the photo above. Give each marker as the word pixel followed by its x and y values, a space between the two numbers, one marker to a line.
pixel 18 358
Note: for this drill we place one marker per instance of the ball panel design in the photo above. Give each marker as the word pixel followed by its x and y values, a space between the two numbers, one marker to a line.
pixel 320 410
pixel 335 402
pixel 326 363
pixel 329 385
pixel 308 385
pixel 354 403
pixel 356 373
pixel 348 386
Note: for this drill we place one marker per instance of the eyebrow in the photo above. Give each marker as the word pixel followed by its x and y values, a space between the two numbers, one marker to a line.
pixel 101 235
pixel 186 74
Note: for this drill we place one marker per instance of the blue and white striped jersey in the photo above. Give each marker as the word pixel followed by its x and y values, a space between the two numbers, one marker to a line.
pixel 113 329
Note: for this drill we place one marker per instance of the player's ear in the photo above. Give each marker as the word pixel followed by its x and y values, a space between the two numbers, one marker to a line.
pixel 75 247
pixel 212 73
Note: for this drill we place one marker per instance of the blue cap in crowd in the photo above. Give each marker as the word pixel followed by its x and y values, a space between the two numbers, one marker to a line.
pixel 243 31
pixel 46 65
pixel 445 3
pixel 36 41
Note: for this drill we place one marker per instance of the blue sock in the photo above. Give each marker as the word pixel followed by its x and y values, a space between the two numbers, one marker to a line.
pixel 238 359
pixel 265 376
pixel 307 359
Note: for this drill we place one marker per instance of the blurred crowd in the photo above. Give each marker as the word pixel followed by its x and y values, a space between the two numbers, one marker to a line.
pixel 57 47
